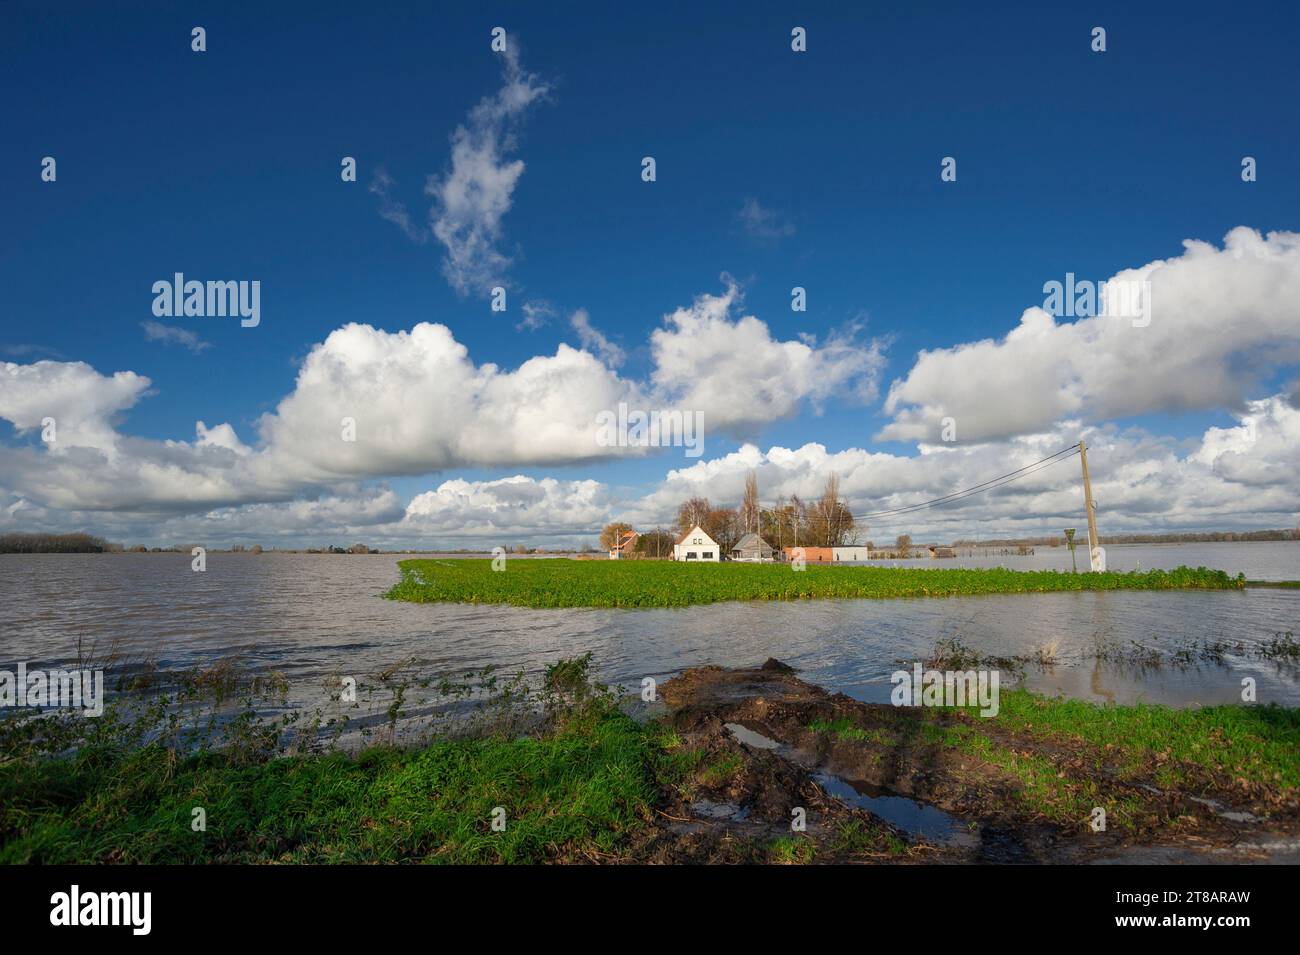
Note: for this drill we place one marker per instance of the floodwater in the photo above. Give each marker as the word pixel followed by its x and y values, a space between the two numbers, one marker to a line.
pixel 312 617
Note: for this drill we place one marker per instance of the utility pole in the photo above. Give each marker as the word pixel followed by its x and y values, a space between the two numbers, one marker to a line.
pixel 1087 503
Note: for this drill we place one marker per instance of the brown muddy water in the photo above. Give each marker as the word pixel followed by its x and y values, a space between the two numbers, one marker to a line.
pixel 312 618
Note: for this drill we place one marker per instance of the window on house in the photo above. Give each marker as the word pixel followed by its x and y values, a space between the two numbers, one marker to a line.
pixel 691 555
pixel 708 555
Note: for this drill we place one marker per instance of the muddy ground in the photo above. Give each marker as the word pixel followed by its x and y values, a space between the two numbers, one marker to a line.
pixel 746 759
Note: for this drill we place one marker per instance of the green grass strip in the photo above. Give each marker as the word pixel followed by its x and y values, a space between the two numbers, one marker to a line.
pixel 572 583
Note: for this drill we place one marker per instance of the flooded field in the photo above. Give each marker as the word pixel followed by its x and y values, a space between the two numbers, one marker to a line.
pixel 311 618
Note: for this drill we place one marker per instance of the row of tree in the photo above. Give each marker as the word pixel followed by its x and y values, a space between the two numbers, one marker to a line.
pixel 54 544
pixel 824 522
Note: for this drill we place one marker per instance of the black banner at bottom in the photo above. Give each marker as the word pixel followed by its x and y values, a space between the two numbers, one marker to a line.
pixel 339 904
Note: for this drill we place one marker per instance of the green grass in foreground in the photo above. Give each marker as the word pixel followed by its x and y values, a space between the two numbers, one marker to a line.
pixel 1259 744
pixel 582 789
pixel 1177 749
pixel 611 583
pixel 579 789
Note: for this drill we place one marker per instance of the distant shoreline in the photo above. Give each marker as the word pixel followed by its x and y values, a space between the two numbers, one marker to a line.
pixel 91 545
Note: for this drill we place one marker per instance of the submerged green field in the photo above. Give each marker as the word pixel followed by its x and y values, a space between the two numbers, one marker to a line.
pixel 611 583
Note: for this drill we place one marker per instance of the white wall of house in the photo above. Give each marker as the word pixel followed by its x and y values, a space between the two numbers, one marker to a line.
pixel 697 545
pixel 850 554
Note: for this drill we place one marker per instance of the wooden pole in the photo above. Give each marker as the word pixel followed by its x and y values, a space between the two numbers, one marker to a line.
pixel 1087 503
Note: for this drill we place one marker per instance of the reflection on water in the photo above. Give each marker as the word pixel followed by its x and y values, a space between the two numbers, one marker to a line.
pixel 750 738
pixel 917 819
pixel 311 617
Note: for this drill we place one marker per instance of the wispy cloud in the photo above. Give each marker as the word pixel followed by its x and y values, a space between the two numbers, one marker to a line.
pixel 473 196
pixel 471 199
pixel 30 351
pixel 536 314
pixel 594 341
pixel 393 210
pixel 763 224
pixel 171 335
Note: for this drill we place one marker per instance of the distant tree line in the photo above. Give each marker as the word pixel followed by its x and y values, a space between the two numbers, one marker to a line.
pixel 55 544
pixel 824 522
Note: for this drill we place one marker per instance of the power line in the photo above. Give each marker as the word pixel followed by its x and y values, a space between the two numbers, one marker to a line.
pixel 984 486
pixel 988 485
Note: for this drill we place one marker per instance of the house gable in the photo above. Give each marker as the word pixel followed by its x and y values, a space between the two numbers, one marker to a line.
pixel 697 545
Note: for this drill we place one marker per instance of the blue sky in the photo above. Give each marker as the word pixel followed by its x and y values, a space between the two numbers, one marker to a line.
pixel 225 164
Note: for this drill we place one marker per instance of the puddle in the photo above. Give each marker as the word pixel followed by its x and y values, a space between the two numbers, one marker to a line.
pixel 747 736
pixel 708 809
pixel 916 818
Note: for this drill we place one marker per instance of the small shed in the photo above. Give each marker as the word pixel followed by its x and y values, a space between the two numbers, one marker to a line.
pixel 753 548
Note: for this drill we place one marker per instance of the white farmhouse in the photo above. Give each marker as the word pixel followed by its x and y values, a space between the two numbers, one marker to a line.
pixel 697 545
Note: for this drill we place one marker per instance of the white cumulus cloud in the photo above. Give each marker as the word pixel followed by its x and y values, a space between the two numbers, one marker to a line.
pixel 743 377
pixel 370 403
pixel 1222 320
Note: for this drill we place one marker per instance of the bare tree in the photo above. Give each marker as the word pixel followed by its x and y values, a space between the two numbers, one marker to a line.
pixel 612 534
pixel 830 507
pixel 722 525
pixel 749 509
pixel 692 512
pixel 799 521
pixel 778 518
